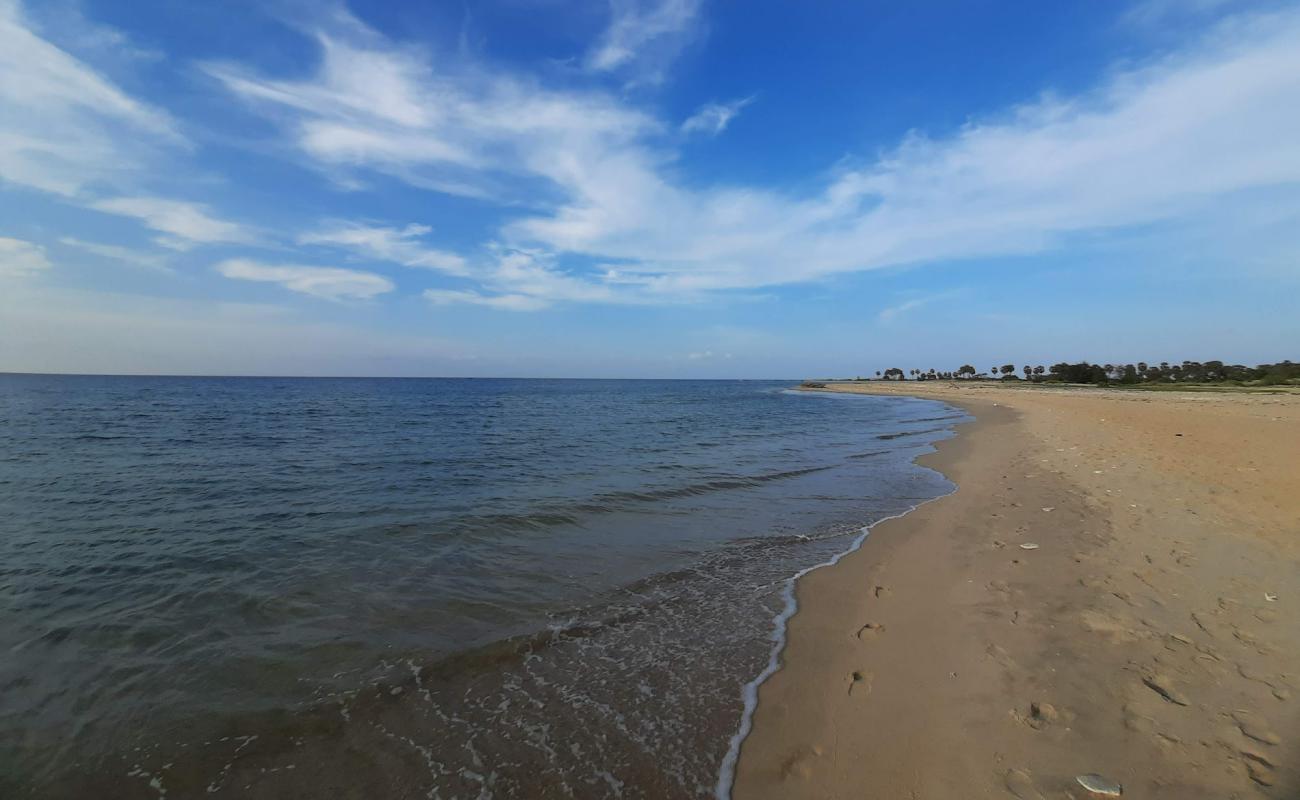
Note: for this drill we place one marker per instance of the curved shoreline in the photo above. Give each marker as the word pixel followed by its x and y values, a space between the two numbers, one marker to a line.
pixel 790 607
pixel 749 692
pixel 1108 593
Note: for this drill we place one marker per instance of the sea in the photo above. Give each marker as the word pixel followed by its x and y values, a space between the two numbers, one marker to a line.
pixel 416 588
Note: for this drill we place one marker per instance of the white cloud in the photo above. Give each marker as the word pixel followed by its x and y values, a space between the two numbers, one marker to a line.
pixel 1149 13
pixel 645 35
pixel 62 124
pixel 398 245
pixel 330 283
pixel 505 302
pixel 893 312
pixel 1172 139
pixel 713 118
pixel 115 252
pixel 20 259
pixel 185 223
pixel 372 104
pixel 1153 143
pixel 706 355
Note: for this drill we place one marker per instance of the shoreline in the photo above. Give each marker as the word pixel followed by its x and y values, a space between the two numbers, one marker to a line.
pixel 941 659
pixel 749 693
pixel 790 607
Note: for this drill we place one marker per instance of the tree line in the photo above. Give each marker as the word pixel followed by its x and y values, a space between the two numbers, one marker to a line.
pixel 1103 374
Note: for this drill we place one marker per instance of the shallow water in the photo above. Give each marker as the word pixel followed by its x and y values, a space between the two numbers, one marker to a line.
pixel 424 588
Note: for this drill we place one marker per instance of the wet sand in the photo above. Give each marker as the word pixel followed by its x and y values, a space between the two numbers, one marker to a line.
pixel 1113 589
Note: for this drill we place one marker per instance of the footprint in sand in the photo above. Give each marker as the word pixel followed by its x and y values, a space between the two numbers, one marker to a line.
pixel 1021 785
pixel 1258 766
pixel 881 591
pixel 870 631
pixel 1253 726
pixel 1138 722
pixel 1041 715
pixel 861 684
pixel 799 763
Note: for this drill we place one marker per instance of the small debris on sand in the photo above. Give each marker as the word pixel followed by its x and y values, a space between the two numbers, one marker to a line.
pixel 1162 686
pixel 1098 784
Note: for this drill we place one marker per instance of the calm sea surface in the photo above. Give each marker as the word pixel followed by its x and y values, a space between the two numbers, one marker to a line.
pixel 412 588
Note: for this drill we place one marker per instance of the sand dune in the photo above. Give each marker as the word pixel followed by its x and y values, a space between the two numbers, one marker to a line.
pixel 1113 590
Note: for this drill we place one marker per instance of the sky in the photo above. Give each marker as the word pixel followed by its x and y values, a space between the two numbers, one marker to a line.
pixel 645 188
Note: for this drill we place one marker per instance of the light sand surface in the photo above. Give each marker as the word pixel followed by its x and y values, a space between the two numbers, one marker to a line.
pixel 1153 636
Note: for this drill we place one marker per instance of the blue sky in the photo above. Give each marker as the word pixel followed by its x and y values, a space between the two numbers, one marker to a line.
pixel 645 188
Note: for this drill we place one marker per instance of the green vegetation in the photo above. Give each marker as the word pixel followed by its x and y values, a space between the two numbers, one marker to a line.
pixel 1206 375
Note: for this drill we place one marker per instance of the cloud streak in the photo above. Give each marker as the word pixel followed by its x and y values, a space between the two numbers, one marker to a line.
pixel 713 118
pixel 380 243
pixel 20 259
pixel 126 255
pixel 644 36
pixel 63 125
pixel 329 283
pixel 504 302
pixel 183 224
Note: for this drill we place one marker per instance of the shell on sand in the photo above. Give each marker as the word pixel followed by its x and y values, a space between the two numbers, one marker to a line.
pixel 1099 785
pixel 1028 546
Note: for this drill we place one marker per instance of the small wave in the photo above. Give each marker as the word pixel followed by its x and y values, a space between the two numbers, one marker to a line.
pixel 706 487
pixel 901 434
pixel 869 454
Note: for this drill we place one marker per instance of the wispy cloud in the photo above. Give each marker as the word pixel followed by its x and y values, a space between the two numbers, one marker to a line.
pixel 127 255
pixel 64 126
pixel 706 355
pixel 381 243
pixel 1157 141
pixel 20 258
pixel 185 224
pixel 330 283
pixel 644 36
pixel 897 310
pixel 1147 13
pixel 504 302
pixel 713 118
pixel 373 104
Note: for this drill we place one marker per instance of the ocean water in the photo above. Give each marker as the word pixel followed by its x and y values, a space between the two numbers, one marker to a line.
pixel 256 587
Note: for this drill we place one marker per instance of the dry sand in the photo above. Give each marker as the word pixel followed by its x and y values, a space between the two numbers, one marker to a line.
pixel 1152 636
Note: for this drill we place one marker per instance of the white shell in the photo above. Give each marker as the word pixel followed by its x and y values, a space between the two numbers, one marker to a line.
pixel 1099 785
pixel 1028 546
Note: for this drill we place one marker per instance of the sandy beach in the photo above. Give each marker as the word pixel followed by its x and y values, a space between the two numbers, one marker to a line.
pixel 1113 589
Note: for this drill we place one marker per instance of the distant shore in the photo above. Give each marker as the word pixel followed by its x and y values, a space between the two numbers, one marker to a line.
pixel 1111 590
